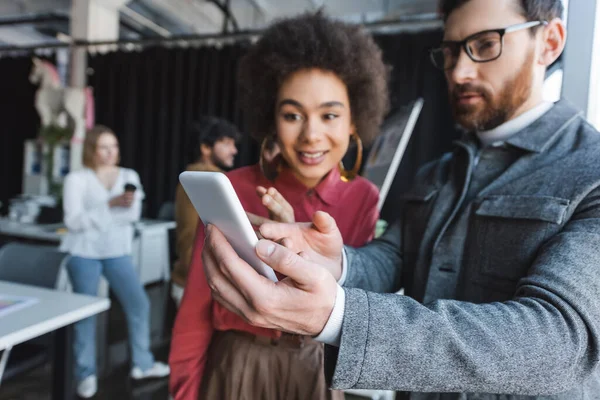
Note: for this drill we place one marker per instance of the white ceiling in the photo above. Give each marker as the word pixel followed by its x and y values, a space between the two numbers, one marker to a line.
pixel 147 18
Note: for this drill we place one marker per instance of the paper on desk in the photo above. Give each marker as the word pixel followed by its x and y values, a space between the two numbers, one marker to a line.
pixel 10 304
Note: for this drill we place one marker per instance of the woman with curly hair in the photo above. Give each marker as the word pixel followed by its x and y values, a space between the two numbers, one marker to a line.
pixel 312 86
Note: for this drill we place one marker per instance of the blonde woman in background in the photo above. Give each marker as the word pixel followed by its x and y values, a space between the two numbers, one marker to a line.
pixel 101 203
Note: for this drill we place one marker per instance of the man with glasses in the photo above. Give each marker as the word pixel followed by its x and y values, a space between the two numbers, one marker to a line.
pixel 498 246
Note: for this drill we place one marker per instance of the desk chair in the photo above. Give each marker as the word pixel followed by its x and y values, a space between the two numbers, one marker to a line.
pixel 30 265
pixel 34 265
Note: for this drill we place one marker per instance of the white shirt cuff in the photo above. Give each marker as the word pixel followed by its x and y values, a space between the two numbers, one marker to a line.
pixel 342 279
pixel 332 332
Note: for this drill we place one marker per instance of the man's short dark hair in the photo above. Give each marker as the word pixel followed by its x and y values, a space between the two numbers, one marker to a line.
pixel 533 10
pixel 208 131
pixel 314 41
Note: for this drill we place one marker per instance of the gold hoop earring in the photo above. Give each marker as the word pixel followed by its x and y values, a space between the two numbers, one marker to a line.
pixel 348 175
pixel 269 170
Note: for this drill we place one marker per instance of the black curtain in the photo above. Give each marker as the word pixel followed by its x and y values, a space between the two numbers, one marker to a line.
pixel 150 98
pixel 18 122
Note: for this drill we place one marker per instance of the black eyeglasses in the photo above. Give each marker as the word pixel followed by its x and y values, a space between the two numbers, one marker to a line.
pixel 481 47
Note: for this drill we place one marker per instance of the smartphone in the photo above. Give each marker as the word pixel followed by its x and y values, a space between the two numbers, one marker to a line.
pixel 130 187
pixel 216 203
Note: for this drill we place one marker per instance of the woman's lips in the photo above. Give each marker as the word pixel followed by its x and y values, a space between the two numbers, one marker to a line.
pixel 311 158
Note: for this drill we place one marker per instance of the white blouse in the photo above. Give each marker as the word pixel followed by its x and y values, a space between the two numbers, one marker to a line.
pixel 96 230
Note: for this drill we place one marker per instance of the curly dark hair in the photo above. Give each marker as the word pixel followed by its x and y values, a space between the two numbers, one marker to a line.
pixel 314 41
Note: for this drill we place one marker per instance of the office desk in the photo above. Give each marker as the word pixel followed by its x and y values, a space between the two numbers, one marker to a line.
pixel 42 233
pixel 151 254
pixel 55 311
pixel 150 244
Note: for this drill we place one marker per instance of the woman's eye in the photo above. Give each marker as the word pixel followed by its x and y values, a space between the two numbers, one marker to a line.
pixel 292 117
pixel 330 116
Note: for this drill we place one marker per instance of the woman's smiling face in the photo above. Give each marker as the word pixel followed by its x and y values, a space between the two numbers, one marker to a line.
pixel 313 123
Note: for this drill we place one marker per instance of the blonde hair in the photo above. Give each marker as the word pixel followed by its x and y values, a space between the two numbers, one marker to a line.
pixel 90 143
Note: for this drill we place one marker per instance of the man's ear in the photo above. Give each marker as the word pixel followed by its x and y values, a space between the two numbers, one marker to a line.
pixel 205 150
pixel 554 37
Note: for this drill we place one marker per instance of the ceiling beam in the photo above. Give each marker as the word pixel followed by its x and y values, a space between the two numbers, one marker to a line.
pixel 261 7
pixel 34 19
pixel 403 24
pixel 147 22
pixel 228 15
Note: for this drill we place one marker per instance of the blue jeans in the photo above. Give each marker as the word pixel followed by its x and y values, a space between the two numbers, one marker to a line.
pixel 123 281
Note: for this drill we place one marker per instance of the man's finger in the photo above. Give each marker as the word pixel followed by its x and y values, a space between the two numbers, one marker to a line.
pixel 324 222
pixel 287 242
pixel 250 283
pixel 276 231
pixel 223 291
pixel 257 220
pixel 218 257
pixel 286 262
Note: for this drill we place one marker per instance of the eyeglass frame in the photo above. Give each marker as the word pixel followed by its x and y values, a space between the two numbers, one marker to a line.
pixel 462 44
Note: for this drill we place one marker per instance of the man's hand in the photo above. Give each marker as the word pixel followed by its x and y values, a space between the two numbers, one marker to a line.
pixel 320 242
pixel 124 200
pixel 301 303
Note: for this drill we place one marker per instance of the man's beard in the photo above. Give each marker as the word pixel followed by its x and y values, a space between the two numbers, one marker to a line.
pixel 491 112
pixel 219 163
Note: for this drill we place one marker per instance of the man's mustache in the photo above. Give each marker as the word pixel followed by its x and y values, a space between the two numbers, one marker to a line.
pixel 460 90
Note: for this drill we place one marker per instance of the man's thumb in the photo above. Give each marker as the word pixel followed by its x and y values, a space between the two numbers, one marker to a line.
pixel 324 222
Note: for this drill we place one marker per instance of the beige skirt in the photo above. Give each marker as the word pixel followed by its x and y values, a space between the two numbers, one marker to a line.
pixel 241 366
